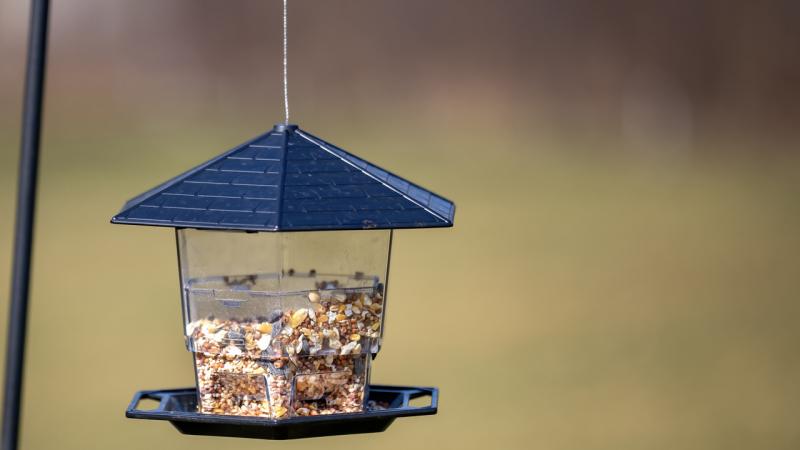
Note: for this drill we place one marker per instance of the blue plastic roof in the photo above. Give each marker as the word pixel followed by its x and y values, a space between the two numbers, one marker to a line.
pixel 288 180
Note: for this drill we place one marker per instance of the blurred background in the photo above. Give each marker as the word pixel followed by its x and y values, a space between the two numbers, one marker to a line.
pixel 624 270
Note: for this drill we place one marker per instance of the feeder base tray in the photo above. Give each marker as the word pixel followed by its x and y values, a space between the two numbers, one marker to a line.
pixel 179 407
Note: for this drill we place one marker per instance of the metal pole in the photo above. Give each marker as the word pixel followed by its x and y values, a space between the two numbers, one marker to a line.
pixel 23 232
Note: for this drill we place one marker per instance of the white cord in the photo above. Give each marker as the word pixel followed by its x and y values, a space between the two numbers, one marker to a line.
pixel 285 64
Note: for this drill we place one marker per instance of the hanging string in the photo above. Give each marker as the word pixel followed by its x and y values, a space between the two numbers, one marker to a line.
pixel 285 67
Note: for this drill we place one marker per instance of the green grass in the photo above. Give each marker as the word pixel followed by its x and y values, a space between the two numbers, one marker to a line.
pixel 583 300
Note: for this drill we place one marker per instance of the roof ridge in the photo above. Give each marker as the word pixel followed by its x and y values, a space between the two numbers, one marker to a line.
pixel 286 131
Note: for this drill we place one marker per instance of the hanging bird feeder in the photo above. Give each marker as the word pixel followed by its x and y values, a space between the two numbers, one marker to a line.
pixel 284 245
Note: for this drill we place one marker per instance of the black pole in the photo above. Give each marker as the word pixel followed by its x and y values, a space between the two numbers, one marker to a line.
pixel 23 231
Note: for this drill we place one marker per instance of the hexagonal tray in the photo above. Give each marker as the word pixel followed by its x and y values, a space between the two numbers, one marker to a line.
pixel 179 407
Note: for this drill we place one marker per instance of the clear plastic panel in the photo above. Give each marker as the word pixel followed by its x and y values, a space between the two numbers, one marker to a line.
pixel 339 389
pixel 266 295
pixel 281 388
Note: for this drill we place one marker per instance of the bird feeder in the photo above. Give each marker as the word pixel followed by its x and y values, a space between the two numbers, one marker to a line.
pixel 284 246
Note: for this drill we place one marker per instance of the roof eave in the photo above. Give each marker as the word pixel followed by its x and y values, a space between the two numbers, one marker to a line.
pixel 224 227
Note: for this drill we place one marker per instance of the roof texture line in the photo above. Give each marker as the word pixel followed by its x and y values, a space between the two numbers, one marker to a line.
pixel 152 192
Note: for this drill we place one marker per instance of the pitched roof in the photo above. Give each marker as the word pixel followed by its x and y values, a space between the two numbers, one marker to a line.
pixel 287 180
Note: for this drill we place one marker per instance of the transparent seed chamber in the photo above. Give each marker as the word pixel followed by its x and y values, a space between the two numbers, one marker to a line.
pixel 283 324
